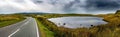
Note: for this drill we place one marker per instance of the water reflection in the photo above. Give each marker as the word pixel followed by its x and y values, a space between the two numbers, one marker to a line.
pixel 77 22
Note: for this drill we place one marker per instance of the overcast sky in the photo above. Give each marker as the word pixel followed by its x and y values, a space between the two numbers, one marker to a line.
pixel 60 6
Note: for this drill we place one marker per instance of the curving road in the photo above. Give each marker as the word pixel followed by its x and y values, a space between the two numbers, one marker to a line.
pixel 26 28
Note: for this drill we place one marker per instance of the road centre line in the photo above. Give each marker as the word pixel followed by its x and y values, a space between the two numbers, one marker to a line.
pixel 14 32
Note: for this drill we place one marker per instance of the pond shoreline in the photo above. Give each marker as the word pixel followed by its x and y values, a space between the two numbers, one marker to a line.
pixel 79 21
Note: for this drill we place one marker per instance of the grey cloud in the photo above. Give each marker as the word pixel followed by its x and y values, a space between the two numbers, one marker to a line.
pixel 103 4
pixel 92 6
pixel 72 6
pixel 63 6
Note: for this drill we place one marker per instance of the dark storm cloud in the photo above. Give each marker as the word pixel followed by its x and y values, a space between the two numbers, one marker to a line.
pixel 60 6
pixel 103 4
pixel 92 6
pixel 53 2
pixel 72 6
pixel 37 1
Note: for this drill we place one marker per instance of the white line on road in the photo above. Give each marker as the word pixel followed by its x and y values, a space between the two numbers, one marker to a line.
pixel 24 24
pixel 18 28
pixel 14 33
pixel 37 28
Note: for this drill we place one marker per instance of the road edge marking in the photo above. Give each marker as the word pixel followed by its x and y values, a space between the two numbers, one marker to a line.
pixel 14 32
pixel 36 28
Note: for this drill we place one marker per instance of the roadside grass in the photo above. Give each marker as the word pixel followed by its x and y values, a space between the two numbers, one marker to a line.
pixel 8 19
pixel 6 23
pixel 44 32
pixel 111 29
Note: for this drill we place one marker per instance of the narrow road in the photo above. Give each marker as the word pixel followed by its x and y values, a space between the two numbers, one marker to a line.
pixel 26 28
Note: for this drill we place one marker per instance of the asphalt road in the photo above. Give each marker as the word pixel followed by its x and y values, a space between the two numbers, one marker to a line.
pixel 26 28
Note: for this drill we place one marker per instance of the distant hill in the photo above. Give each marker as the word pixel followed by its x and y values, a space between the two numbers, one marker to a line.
pixel 117 12
pixel 37 13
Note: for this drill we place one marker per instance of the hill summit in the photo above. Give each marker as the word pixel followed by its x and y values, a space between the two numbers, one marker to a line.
pixel 117 12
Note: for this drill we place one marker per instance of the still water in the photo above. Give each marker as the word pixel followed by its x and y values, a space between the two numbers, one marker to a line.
pixel 77 22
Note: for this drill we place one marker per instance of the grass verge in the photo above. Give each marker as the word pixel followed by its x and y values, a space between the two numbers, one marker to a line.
pixel 44 32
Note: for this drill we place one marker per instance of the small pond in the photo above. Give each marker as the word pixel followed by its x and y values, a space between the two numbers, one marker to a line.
pixel 77 22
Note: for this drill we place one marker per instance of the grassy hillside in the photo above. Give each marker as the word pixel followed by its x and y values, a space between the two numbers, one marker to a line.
pixel 117 12
pixel 63 15
pixel 6 20
pixel 112 29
